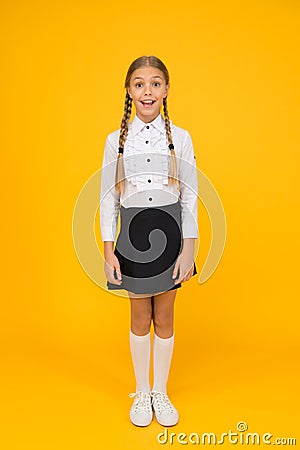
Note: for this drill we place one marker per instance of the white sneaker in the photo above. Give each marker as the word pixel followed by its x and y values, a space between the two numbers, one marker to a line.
pixel 166 414
pixel 141 413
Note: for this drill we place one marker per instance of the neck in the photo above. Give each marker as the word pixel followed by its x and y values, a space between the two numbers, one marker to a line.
pixel 147 119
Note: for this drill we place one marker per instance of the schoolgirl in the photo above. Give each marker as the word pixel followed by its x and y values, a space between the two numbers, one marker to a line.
pixel 149 179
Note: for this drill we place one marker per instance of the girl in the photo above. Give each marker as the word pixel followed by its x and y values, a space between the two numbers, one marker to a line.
pixel 149 177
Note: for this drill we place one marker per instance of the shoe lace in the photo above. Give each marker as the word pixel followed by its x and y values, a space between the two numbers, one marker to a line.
pixel 142 402
pixel 162 402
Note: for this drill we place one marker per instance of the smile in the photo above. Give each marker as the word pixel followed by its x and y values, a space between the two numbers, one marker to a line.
pixel 148 103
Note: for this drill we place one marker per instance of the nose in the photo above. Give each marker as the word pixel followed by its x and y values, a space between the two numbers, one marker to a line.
pixel 148 90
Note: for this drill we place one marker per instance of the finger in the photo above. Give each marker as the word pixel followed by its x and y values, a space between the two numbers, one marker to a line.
pixel 110 274
pixel 176 269
pixel 117 276
pixel 185 279
pixel 180 276
pixel 118 271
pixel 188 275
pixel 113 279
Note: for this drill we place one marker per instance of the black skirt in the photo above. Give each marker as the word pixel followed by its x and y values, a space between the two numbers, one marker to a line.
pixel 147 247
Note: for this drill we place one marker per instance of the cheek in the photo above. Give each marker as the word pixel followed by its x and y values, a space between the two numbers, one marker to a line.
pixel 163 93
pixel 136 101
pixel 135 94
pixel 161 97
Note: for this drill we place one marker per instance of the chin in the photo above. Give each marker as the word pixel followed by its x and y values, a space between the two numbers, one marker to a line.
pixel 149 113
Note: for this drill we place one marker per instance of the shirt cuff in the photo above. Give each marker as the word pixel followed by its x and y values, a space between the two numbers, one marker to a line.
pixel 108 233
pixel 189 230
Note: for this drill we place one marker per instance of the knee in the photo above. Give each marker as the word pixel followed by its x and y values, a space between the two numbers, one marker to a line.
pixel 163 322
pixel 141 323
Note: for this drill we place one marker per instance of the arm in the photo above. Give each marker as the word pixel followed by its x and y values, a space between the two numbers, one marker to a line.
pixel 188 183
pixel 111 264
pixel 109 211
pixel 184 266
pixel 109 199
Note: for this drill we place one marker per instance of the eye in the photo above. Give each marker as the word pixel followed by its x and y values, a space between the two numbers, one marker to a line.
pixel 138 84
pixel 156 83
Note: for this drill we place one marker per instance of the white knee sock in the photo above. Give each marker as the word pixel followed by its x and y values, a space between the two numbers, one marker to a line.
pixel 162 355
pixel 140 352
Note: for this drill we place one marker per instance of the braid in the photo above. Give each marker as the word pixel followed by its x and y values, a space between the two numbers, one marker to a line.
pixel 173 174
pixel 120 173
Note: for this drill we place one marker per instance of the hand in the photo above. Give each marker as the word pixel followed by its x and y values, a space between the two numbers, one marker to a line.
pixel 111 264
pixel 185 262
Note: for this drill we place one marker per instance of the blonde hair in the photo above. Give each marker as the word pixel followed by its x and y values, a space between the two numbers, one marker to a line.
pixel 143 61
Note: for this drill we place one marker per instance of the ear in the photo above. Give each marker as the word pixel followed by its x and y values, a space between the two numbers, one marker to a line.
pixel 167 90
pixel 129 93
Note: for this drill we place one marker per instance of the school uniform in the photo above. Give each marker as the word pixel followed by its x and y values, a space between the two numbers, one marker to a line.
pixel 155 216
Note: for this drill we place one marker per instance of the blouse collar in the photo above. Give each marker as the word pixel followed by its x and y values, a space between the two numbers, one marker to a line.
pixel 138 125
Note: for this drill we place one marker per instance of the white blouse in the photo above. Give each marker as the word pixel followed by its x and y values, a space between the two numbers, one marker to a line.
pixel 146 165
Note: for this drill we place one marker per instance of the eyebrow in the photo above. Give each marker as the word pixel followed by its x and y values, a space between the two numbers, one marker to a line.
pixel 141 78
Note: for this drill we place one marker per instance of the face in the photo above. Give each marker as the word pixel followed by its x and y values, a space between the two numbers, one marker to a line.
pixel 147 90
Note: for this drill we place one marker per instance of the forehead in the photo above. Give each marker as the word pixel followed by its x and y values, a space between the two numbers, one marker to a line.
pixel 147 73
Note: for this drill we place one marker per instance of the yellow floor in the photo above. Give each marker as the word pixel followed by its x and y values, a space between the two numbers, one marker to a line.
pixel 64 397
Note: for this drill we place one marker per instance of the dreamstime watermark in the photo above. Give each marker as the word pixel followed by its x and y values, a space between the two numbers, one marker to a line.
pixel 89 201
pixel 241 436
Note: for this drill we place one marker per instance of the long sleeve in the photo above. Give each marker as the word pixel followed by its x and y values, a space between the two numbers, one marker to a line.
pixel 147 190
pixel 188 182
pixel 109 198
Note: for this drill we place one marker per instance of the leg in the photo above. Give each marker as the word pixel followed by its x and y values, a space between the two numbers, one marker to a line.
pixel 141 312
pixel 163 313
pixel 163 343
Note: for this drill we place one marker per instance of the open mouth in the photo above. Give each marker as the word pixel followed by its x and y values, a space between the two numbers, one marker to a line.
pixel 148 103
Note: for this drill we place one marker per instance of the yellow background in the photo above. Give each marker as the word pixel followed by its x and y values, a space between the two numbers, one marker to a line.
pixel 66 368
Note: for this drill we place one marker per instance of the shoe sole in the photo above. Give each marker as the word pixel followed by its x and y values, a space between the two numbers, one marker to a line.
pixel 141 424
pixel 167 424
